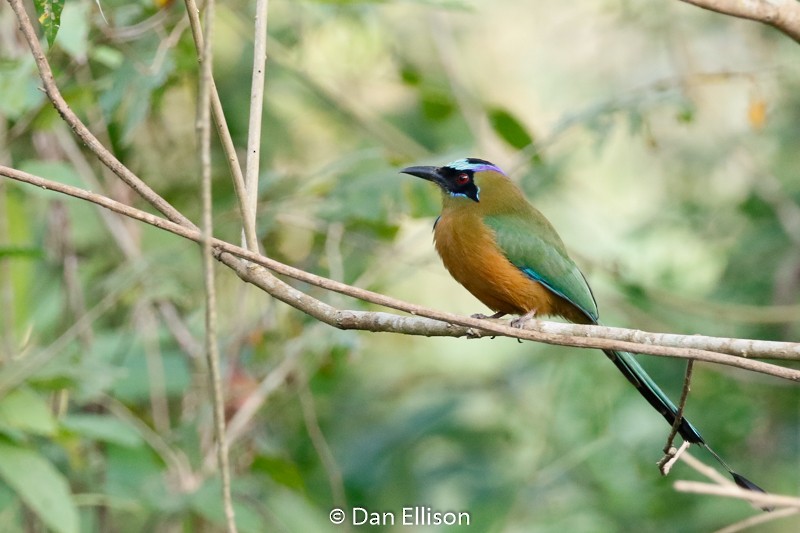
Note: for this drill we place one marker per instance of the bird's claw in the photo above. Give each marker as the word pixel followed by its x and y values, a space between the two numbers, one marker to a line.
pixel 481 316
pixel 520 321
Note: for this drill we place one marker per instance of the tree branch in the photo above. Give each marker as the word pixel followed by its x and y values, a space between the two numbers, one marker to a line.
pixel 442 324
pixel 256 111
pixel 783 15
pixel 212 348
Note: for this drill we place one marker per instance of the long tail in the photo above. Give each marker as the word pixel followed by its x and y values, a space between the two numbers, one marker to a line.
pixel 631 369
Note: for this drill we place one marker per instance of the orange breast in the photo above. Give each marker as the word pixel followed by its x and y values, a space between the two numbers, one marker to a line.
pixel 468 251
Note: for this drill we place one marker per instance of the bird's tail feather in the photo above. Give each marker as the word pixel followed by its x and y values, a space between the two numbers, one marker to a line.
pixel 631 369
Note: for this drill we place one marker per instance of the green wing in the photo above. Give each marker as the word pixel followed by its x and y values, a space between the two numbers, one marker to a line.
pixel 531 244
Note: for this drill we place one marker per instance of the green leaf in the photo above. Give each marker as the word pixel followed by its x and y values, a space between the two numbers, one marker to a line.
pixel 40 486
pixel 102 428
pixel 280 470
pixel 49 12
pixel 74 38
pixel 21 251
pixel 509 128
pixel 26 410
pixel 18 87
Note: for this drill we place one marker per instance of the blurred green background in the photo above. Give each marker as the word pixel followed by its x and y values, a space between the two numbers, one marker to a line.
pixel 661 141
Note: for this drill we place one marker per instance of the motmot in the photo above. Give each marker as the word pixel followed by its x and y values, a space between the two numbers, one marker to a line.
pixel 509 256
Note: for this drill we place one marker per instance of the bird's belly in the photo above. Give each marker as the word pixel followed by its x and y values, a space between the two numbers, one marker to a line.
pixel 473 259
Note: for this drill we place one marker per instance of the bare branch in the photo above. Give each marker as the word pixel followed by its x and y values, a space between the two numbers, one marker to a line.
pixel 759 519
pixel 741 347
pixel 212 348
pixel 712 489
pixel 256 108
pixel 783 15
pixel 443 324
pixel 671 454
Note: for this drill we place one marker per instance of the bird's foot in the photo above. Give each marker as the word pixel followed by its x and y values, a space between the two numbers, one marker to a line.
pixel 520 321
pixel 481 316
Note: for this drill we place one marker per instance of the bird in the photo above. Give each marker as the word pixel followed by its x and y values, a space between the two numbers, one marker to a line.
pixel 496 244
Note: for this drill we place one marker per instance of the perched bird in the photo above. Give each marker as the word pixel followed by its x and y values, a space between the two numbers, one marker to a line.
pixel 509 256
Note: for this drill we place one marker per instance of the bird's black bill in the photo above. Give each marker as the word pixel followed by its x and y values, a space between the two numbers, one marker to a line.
pixel 426 173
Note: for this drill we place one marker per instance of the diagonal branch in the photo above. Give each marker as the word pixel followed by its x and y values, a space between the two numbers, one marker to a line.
pixel 442 324
pixel 783 15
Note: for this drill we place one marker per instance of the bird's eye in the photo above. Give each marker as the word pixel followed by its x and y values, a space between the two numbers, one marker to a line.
pixel 462 179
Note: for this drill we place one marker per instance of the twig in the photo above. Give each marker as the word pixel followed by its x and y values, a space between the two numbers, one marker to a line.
pixel 256 108
pixel 180 332
pixel 223 131
pixel 175 460
pixel 671 454
pixel 756 498
pixel 759 519
pixel 320 444
pixel 705 470
pixel 783 15
pixel 273 380
pixel 687 380
pixel 443 324
pixel 212 348
pixel 741 347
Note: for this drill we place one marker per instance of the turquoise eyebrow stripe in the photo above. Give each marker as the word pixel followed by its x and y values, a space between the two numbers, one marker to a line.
pixel 463 164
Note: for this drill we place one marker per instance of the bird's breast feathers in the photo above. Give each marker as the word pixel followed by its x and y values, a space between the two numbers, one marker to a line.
pixel 470 253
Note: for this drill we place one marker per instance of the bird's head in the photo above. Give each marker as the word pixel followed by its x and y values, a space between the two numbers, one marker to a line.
pixel 463 179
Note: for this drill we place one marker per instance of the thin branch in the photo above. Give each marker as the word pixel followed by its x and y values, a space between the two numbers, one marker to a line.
pixel 443 324
pixel 707 471
pixel 320 444
pixel 274 379
pixel 687 380
pixel 756 498
pixel 722 486
pixel 671 454
pixel 175 459
pixel 751 348
pixel 256 111
pixel 759 519
pixel 783 15
pixel 248 218
pixel 212 348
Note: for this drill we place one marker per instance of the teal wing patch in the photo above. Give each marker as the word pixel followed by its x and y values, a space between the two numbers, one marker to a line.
pixel 533 246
